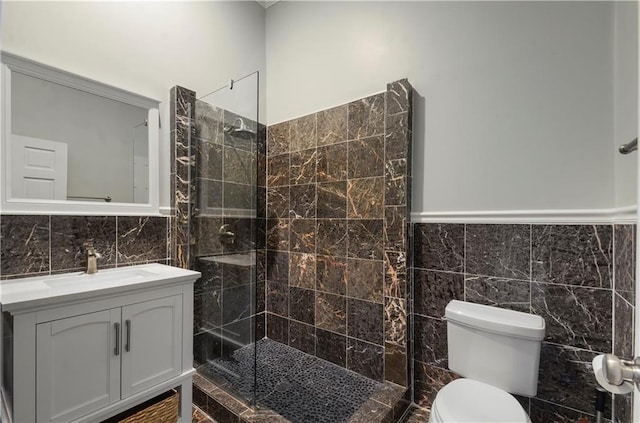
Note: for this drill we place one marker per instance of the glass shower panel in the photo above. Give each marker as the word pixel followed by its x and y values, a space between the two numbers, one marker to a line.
pixel 224 226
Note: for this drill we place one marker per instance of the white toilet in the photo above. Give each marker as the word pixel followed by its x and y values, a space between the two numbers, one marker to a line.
pixel 497 351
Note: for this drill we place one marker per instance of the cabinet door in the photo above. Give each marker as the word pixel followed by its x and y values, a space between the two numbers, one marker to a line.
pixel 152 343
pixel 77 365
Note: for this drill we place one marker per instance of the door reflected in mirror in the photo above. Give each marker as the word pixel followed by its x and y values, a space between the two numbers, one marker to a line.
pixel 67 144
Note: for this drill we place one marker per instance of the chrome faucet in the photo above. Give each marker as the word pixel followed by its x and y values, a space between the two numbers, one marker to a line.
pixel 92 258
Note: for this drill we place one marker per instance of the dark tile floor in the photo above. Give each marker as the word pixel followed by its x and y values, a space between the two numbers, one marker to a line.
pixel 299 387
pixel 417 415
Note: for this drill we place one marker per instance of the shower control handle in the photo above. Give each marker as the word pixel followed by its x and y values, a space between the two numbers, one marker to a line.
pixel 618 371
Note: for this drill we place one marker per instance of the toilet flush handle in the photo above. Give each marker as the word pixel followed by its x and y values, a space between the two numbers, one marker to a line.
pixel 618 371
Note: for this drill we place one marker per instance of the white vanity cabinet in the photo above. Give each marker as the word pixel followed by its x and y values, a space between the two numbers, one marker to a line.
pixel 88 355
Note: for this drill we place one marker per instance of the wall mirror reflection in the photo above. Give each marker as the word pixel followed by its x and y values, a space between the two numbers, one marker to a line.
pixel 70 140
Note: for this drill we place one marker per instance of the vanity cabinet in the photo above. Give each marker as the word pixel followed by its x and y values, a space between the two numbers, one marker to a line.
pixel 104 356
pixel 87 359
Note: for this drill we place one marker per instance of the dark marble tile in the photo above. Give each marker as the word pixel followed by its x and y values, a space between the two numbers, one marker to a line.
pixel 278 234
pixel 332 163
pixel 302 337
pixel 499 292
pixel 207 310
pixel 365 280
pixel 141 239
pixel 396 190
pixel 209 160
pixel 399 97
pixel 624 251
pixel 365 321
pixel 239 166
pixel 237 303
pixel 302 168
pixel 545 412
pixel 209 196
pixel 434 290
pixel 208 243
pixel 261 326
pixel 235 275
pixel 303 133
pixel 69 234
pixel 278 202
pixel 302 201
pixel 498 250
pixel 366 158
pixel 366 359
pixel 396 237
pixel 395 274
pixel 278 139
pixel 302 270
pixel 417 415
pixel 332 200
pixel 332 125
pixel 331 347
pixel 623 327
pixel 209 121
pixel 364 240
pixel 439 246
pixel 430 340
pixel 302 305
pixel 207 346
pixel 564 374
pixel 575 316
pixel 239 196
pixel 397 140
pixel 332 237
pixel 211 275
pixel 366 117
pixel 238 334
pixel 331 274
pixel 278 266
pixel 25 244
pixel 277 328
pixel 623 408
pixel 331 312
pixel 396 321
pixel 277 298
pixel 302 236
pixel 365 198
pixel 573 254
pixel 278 170
pixel 185 101
pixel 428 381
pixel 395 364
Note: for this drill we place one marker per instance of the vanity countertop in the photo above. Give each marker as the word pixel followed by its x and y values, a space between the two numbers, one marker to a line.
pixel 25 293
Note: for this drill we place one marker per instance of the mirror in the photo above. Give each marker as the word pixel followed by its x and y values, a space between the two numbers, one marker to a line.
pixel 75 145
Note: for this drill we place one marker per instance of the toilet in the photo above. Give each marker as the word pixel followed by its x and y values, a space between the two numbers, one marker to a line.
pixel 497 351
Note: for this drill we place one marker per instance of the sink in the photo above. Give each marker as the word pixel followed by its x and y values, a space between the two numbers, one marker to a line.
pixel 116 275
pixel 20 293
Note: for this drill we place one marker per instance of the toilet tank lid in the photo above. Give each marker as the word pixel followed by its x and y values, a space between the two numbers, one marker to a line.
pixel 497 320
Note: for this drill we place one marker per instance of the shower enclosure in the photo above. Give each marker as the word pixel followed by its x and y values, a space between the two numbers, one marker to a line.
pixel 301 313
pixel 224 228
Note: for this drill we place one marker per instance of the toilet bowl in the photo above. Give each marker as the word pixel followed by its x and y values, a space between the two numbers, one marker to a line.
pixel 471 401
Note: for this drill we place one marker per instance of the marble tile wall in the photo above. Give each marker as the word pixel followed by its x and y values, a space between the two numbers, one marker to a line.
pixel 568 274
pixel 38 245
pixel 216 182
pixel 337 237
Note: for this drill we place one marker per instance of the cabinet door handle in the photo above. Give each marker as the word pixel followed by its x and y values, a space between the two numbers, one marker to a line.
pixel 127 346
pixel 116 350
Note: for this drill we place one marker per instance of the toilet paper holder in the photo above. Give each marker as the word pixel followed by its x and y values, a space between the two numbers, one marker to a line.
pixel 618 371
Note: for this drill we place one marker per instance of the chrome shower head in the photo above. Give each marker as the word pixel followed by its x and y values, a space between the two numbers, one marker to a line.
pixel 240 129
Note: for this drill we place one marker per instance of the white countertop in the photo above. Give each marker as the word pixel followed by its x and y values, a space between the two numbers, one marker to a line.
pixel 52 289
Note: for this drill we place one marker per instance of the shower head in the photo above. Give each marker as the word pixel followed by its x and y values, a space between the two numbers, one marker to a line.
pixel 239 129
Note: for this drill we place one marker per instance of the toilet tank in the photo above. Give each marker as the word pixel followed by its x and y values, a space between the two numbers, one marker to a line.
pixel 494 345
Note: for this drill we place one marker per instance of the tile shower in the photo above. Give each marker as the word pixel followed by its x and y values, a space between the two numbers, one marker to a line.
pixel 326 181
